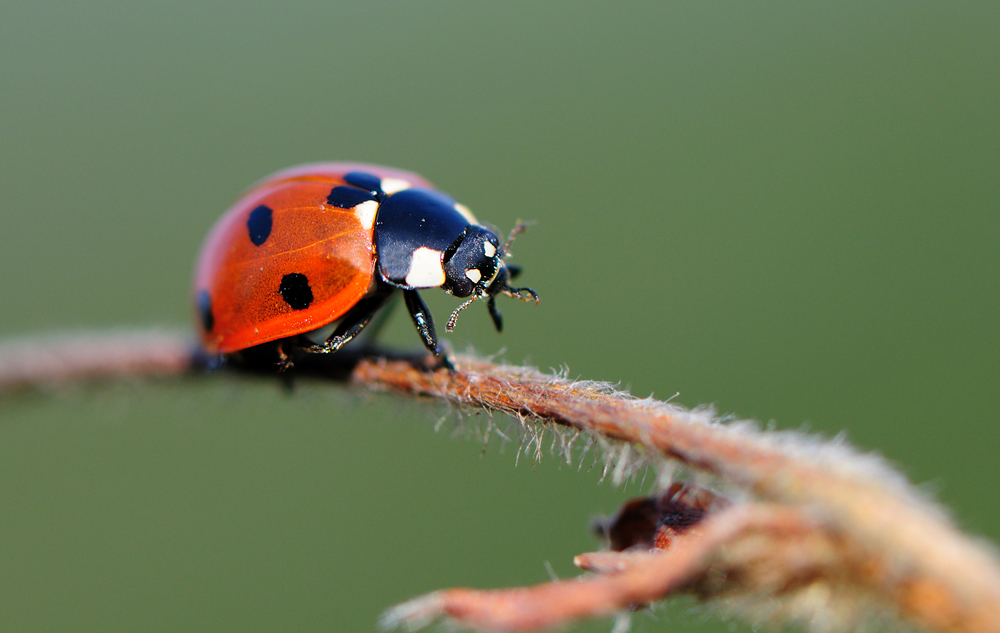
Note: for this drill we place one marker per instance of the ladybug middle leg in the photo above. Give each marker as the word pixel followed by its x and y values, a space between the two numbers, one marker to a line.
pixel 356 319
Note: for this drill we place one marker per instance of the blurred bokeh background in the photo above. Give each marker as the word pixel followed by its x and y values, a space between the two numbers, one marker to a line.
pixel 788 210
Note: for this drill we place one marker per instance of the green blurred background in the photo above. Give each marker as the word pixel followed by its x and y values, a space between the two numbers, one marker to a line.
pixel 788 210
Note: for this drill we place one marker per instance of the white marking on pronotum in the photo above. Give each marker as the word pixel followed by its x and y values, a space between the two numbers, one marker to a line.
pixel 392 185
pixel 365 213
pixel 464 210
pixel 426 270
pixel 489 249
pixel 474 275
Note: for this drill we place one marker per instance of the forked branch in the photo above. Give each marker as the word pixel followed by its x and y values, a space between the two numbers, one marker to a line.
pixel 812 532
pixel 823 536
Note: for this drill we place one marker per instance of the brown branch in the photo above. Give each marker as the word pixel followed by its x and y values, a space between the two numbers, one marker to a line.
pixel 629 579
pixel 929 572
pixel 59 358
pixel 817 532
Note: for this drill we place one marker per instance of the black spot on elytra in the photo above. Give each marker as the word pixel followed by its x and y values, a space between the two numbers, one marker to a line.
pixel 348 197
pixel 295 291
pixel 364 180
pixel 205 311
pixel 259 224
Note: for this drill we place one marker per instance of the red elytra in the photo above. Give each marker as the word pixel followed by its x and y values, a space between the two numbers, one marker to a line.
pixel 236 279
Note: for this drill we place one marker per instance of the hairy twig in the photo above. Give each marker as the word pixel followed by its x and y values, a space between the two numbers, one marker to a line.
pixel 813 532
pixel 626 579
pixel 40 361
pixel 905 554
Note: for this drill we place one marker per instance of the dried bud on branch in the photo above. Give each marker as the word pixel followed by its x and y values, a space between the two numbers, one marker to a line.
pixel 809 531
pixel 825 536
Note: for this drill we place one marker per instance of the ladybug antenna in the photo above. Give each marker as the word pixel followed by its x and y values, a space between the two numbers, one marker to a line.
pixel 450 327
pixel 519 227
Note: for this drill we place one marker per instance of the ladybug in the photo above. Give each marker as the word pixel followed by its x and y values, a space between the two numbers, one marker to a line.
pixel 326 245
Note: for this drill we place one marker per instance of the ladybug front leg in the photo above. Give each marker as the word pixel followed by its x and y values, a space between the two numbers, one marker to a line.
pixel 425 325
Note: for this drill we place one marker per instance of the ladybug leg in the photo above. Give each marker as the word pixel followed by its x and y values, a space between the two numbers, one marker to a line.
pixel 425 325
pixel 354 322
pixel 524 294
pixel 491 305
pixel 284 360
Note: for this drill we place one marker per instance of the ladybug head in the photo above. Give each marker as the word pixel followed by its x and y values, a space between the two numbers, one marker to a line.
pixel 472 262
pixel 474 266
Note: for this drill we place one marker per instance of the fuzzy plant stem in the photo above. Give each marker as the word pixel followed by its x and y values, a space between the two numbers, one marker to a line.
pixel 918 564
pixel 818 528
